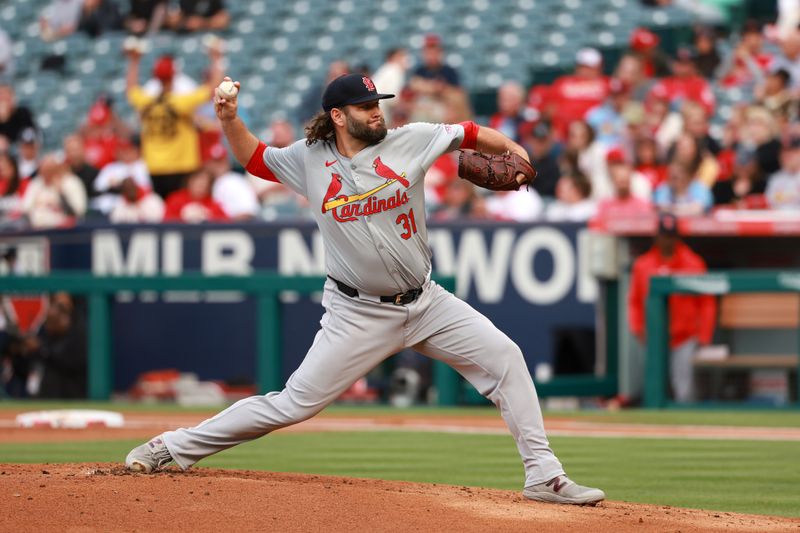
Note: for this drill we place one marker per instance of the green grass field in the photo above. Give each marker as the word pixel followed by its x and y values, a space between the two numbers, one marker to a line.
pixel 727 475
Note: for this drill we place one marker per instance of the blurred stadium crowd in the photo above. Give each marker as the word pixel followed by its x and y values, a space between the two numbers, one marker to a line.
pixel 712 125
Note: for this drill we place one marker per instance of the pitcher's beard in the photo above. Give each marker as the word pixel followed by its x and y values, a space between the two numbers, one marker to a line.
pixel 362 132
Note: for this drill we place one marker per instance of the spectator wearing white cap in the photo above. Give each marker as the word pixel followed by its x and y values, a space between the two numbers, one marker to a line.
pixel 573 95
pixel 686 84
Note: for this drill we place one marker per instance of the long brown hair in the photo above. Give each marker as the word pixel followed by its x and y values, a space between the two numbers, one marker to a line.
pixel 320 128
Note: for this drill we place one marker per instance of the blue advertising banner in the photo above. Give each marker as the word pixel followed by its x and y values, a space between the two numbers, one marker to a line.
pixel 530 280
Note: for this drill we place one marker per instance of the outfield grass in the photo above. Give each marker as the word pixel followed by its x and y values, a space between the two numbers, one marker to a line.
pixel 708 417
pixel 736 476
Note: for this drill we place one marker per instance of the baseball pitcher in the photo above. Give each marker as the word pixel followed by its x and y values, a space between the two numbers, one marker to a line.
pixel 366 188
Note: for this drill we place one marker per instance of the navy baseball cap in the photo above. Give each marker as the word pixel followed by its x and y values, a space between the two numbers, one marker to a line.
pixel 350 89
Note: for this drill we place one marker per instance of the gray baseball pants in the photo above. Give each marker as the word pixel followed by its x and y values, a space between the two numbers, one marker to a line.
pixel 357 334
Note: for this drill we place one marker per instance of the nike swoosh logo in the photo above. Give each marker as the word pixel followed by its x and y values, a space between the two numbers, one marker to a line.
pixel 329 163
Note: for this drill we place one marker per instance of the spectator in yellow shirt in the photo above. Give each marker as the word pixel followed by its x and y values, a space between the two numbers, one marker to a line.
pixel 170 141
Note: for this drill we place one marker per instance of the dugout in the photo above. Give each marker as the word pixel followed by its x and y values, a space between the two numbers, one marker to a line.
pixel 754 356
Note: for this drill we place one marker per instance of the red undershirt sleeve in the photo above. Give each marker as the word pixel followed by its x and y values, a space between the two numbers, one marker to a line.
pixel 256 165
pixel 470 135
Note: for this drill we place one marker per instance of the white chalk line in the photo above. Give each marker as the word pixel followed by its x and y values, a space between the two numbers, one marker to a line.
pixel 560 428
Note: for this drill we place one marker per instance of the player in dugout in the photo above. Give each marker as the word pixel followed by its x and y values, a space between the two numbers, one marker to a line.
pixel 691 318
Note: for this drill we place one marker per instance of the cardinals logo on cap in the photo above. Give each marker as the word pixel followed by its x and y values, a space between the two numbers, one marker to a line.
pixel 368 84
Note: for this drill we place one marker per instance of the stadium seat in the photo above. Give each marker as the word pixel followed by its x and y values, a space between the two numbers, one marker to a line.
pixel 289 45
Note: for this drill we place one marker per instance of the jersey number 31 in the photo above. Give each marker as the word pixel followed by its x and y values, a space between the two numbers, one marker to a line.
pixel 408 223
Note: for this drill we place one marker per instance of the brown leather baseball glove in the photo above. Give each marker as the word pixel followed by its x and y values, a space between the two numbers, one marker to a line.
pixel 495 172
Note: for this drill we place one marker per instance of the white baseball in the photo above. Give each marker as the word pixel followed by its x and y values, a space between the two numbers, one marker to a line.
pixel 227 89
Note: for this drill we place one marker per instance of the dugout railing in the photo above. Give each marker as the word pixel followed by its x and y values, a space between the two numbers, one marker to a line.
pixel 714 283
pixel 266 287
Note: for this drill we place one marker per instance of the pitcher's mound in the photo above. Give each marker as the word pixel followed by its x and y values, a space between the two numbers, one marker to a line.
pixel 105 497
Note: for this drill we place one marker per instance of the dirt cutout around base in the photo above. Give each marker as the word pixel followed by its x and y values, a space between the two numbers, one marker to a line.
pixel 105 497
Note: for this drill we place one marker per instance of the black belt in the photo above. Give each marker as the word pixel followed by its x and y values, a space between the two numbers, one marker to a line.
pixel 401 298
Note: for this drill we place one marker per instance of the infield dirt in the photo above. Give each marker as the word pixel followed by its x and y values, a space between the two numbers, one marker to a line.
pixel 105 497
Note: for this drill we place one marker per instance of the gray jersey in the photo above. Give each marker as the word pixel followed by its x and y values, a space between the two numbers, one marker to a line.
pixel 370 209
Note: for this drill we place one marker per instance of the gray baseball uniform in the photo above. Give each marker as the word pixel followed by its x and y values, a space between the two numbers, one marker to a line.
pixel 370 211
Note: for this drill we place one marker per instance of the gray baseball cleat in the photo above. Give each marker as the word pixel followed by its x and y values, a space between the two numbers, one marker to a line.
pixel 148 457
pixel 561 489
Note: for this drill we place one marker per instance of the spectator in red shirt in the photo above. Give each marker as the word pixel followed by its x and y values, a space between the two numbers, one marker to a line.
pixel 686 83
pixel 438 178
pixel 630 191
pixel 572 96
pixel 100 135
pixel 747 62
pixel 691 318
pixel 648 163
pixel 644 44
pixel 538 102
pixel 194 204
